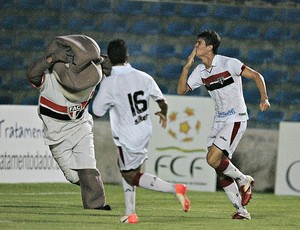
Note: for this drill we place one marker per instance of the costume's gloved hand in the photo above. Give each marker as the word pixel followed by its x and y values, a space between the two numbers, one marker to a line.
pixel 62 54
pixel 105 64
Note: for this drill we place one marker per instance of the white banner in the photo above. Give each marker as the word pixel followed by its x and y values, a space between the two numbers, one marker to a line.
pixel 23 155
pixel 288 160
pixel 178 153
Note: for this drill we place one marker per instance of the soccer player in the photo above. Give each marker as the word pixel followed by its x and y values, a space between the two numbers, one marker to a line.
pixel 125 94
pixel 221 76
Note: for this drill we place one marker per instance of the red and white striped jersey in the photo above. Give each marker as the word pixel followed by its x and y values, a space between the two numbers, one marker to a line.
pixel 60 116
pixel 224 84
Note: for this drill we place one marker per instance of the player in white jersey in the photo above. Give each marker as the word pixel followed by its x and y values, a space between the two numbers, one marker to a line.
pixel 66 79
pixel 125 94
pixel 221 76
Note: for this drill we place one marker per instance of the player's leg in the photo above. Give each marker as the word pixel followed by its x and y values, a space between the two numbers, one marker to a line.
pixel 232 191
pixel 215 156
pixel 130 165
pixel 225 139
pixel 129 189
pixel 144 180
pixel 245 182
pixel 148 181
pixel 129 193
pixel 152 182
pixel 222 164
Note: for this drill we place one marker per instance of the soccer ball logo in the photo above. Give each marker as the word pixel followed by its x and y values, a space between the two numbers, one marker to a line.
pixel 184 126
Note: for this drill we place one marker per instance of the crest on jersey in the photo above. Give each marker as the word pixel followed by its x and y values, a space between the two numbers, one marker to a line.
pixel 221 80
pixel 74 110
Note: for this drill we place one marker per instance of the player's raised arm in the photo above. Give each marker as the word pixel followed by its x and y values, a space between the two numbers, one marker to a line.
pixel 182 87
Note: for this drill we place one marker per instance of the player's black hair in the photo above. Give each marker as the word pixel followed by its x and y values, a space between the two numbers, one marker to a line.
pixel 211 38
pixel 117 51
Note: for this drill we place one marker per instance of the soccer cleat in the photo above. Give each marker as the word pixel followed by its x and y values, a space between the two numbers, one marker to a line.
pixel 131 219
pixel 181 191
pixel 241 216
pixel 246 190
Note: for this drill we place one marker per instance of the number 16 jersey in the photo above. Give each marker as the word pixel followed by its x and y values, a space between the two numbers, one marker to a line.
pixel 125 94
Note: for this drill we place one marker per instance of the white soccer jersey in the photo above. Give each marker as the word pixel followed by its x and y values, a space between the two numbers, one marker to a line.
pixel 224 84
pixel 125 94
pixel 61 117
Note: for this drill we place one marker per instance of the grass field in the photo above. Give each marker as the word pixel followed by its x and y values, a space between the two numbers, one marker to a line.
pixel 58 206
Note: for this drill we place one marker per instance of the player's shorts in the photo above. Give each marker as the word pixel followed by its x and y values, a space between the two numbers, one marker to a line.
pixel 75 152
pixel 227 136
pixel 130 161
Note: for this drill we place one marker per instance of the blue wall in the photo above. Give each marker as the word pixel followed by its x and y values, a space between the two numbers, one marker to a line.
pixel 264 36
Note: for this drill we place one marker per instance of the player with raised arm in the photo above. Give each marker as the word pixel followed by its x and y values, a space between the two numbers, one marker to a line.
pixel 221 76
pixel 125 94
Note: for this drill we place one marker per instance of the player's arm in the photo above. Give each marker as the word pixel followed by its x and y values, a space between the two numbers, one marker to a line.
pixel 182 87
pixel 261 85
pixel 163 113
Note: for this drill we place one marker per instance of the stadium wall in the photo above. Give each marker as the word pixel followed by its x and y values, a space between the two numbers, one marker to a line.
pixel 263 153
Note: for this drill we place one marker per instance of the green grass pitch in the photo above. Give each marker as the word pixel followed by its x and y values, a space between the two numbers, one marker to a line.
pixel 56 206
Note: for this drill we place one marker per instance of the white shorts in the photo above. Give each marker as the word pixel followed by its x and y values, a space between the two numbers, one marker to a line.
pixel 75 152
pixel 130 161
pixel 227 136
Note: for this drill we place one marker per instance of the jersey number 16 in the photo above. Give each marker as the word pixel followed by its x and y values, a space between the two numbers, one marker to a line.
pixel 137 105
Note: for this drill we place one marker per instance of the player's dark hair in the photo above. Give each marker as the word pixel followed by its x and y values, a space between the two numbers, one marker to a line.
pixel 117 51
pixel 211 38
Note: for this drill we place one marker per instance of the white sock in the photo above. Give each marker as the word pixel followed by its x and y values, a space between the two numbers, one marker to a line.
pixel 235 174
pixel 154 183
pixel 129 193
pixel 234 196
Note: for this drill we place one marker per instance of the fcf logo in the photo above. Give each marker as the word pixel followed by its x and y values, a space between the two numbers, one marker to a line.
pixel 180 166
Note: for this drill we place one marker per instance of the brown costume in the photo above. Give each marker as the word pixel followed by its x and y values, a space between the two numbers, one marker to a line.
pixel 72 60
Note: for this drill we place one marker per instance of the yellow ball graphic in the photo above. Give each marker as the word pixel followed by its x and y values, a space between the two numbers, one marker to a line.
pixel 183 126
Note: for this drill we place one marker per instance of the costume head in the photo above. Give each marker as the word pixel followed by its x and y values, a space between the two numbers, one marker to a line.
pixel 86 53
